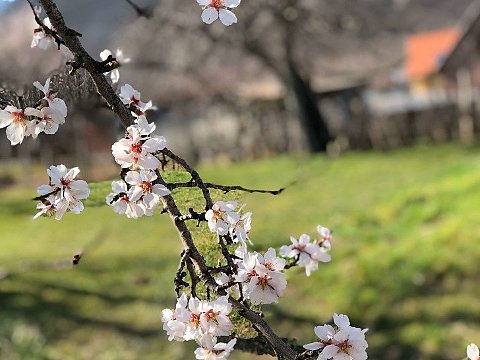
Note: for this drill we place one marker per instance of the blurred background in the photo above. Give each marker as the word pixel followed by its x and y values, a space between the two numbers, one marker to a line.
pixel 371 107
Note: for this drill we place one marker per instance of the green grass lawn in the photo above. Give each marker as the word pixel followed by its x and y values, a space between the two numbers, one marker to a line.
pixel 405 259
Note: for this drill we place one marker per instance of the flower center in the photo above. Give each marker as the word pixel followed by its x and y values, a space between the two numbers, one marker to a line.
pixel 195 320
pixel 146 187
pixel 19 117
pixel 217 4
pixel 263 281
pixel 217 214
pixel 134 100
pixel 344 346
pixel 210 314
pixel 136 148
pixel 65 182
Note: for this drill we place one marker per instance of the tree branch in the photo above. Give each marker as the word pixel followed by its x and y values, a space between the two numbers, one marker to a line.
pixel 70 38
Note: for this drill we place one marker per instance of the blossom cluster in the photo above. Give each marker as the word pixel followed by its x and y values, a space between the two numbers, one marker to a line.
pixel 223 219
pixel 308 253
pixel 202 321
pixel 62 193
pixel 46 117
pixel 139 192
pixel 339 342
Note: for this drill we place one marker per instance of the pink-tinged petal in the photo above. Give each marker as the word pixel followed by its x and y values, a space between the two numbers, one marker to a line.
pixel 232 3
pixel 313 346
pixel 329 351
pixel 227 17
pixel 203 2
pixel 5 118
pixel 15 133
pixel 209 15
pixel 149 162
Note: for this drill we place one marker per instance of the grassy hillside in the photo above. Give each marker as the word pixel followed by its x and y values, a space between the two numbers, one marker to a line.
pixel 405 260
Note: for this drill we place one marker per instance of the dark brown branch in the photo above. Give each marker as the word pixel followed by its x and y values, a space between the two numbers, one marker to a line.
pixel 70 38
pixel 180 274
pixel 193 277
pixel 225 188
pixel 195 177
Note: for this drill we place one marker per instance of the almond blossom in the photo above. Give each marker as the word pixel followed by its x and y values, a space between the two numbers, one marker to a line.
pixel 40 38
pixel 51 99
pixel 17 124
pixel 472 352
pixel 143 189
pixel 131 98
pixel 199 320
pixel 308 254
pixel 175 329
pixel 135 151
pixel 263 281
pixel 339 342
pixel 119 60
pixel 221 216
pixel 62 193
pixel 46 120
pixel 219 9
pixel 121 200
pixel 239 231
pixel 211 350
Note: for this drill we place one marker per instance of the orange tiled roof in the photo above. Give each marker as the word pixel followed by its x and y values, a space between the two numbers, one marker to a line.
pixel 426 51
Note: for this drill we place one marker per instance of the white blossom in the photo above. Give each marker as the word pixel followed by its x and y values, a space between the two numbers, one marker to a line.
pixel 17 124
pixel 239 231
pixel 472 352
pixel 121 200
pixel 221 216
pixel 211 350
pixel 47 120
pixel 218 9
pixel 62 193
pixel 339 342
pixel 135 151
pixel 263 281
pixel 51 98
pixel 309 254
pixel 144 191
pixel 175 329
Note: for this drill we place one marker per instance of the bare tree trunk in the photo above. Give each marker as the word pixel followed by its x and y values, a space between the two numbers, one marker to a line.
pixel 314 126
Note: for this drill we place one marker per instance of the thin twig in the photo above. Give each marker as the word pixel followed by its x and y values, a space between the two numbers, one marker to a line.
pixel 225 188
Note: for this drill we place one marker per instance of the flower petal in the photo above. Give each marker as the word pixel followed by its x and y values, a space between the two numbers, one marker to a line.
pixel 209 15
pixel 227 17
